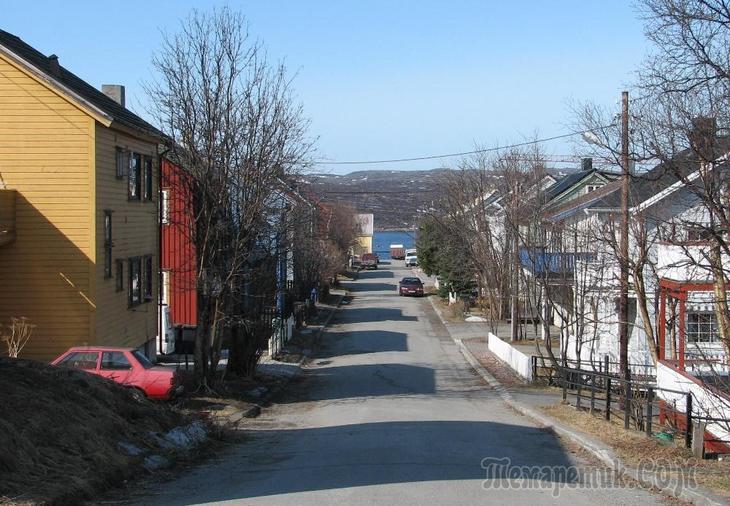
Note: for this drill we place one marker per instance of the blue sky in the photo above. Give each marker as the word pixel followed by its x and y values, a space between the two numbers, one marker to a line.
pixel 381 79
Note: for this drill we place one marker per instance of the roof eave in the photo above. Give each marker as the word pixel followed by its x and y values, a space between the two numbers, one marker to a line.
pixel 47 80
pixel 136 131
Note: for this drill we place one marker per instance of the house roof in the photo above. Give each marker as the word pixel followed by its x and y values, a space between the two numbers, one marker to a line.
pixel 655 184
pixel 565 183
pixel 75 84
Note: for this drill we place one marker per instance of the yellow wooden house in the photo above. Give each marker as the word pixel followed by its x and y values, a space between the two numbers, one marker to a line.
pixel 79 237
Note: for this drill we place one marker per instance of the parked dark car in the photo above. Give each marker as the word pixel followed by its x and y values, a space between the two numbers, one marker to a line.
pixel 410 286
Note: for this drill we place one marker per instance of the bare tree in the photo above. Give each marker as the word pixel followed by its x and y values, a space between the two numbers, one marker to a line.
pixel 235 129
pixel 16 335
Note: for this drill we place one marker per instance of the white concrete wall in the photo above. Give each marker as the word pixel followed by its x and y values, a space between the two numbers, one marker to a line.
pixel 518 361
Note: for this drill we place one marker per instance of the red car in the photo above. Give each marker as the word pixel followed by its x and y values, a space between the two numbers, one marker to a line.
pixel 126 366
pixel 410 286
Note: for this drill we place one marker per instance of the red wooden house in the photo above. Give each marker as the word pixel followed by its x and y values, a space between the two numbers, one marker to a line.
pixel 178 259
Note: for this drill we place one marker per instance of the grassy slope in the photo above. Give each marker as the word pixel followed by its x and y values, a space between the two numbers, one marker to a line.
pixel 60 432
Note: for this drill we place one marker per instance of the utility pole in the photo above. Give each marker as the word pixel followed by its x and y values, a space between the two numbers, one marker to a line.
pixel 624 241
pixel 514 310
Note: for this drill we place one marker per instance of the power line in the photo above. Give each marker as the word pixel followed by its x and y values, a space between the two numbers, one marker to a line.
pixel 451 155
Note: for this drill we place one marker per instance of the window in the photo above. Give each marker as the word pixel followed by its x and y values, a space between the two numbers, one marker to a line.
pixel 142 359
pixel 592 187
pixel 135 166
pixel 148 278
pixel 119 275
pixel 165 287
pixel 81 360
pixel 107 244
pixel 165 207
pixel 147 178
pixel 135 281
pixel 115 361
pixel 701 328
pixel 698 234
pixel 122 162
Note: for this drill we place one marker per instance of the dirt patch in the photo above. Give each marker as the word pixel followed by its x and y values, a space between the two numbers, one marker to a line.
pixel 60 432
pixel 453 313
pixel 634 447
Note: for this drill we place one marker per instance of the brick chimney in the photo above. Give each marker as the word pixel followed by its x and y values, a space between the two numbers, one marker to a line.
pixel 703 137
pixel 115 92
pixel 55 66
pixel 586 164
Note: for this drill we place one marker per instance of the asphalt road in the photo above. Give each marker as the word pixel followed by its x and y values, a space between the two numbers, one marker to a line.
pixel 390 413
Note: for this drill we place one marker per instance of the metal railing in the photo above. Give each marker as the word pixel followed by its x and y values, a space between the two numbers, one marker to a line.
pixel 542 367
pixel 641 405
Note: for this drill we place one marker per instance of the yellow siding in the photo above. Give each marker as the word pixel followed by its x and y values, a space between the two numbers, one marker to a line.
pixel 364 244
pixel 46 144
pixel 135 233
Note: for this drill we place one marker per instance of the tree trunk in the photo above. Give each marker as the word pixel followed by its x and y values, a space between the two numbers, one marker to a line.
pixel 641 303
pixel 721 307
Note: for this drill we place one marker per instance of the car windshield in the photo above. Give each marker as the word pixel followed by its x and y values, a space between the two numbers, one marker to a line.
pixel 143 361
pixel 410 281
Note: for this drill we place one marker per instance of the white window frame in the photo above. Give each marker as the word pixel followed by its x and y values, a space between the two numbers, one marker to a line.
pixel 165 288
pixel 165 207
pixel 701 331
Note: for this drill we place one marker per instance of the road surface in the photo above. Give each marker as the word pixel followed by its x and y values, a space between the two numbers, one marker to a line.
pixel 390 413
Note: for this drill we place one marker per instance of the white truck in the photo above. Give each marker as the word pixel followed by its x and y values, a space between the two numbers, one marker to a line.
pixel 411 259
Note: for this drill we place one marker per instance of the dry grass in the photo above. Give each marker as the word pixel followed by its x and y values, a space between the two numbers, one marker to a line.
pixel 453 313
pixel 632 447
pixel 60 432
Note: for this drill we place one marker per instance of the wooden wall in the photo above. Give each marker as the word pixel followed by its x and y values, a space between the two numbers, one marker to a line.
pixel 46 151
pixel 135 233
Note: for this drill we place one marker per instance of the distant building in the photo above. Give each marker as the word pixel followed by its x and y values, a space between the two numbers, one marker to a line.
pixel 364 238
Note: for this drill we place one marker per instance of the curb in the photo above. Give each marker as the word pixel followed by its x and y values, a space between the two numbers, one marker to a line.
pixel 605 454
pixel 251 412
pixel 318 337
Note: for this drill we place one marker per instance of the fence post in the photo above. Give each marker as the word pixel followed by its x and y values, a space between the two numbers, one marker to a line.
pixel 608 397
pixel 627 405
pixel 579 383
pixel 688 428
pixel 649 409
pixel 698 440
pixel 533 358
pixel 593 391
pixel 605 367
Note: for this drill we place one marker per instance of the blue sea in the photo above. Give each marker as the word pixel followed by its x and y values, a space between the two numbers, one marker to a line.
pixel 383 240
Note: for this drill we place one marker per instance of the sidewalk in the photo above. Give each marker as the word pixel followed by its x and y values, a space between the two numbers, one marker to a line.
pixel 528 401
pixel 303 341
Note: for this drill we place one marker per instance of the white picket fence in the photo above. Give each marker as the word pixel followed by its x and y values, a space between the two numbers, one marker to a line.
pixel 281 335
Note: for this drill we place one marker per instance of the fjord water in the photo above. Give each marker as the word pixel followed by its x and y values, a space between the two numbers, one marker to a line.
pixel 383 240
